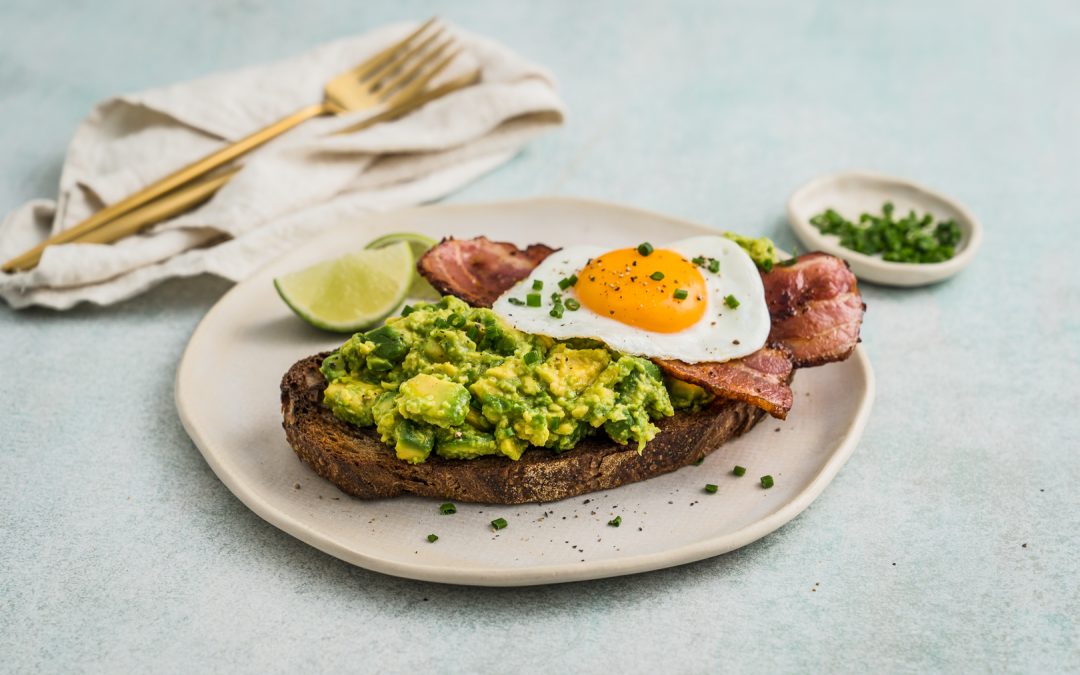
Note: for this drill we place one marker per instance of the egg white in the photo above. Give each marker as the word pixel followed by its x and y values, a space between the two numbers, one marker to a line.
pixel 722 333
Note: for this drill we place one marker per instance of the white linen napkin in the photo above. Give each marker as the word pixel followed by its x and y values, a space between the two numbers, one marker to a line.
pixel 287 190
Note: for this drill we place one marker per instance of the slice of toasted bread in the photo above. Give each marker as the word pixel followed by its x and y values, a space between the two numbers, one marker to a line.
pixel 360 464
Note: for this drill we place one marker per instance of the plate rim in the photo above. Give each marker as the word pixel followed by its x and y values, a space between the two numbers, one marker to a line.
pixel 513 576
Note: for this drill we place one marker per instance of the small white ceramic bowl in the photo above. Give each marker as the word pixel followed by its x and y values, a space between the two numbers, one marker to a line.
pixel 855 192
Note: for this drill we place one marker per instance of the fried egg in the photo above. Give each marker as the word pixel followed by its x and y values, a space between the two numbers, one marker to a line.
pixel 698 299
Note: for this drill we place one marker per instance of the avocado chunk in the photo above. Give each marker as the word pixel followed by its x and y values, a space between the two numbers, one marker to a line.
pixel 351 400
pixel 413 442
pixel 389 344
pixel 464 444
pixel 512 447
pixel 687 396
pixel 567 372
pixel 426 398
pixel 333 367
pixel 476 419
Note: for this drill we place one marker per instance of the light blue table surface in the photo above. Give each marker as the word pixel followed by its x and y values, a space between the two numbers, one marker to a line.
pixel 949 542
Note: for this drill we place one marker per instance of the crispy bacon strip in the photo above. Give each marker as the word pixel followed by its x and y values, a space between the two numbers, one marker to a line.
pixel 760 379
pixel 479 270
pixel 815 307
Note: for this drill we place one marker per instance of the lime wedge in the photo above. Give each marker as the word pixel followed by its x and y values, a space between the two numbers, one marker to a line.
pixel 353 292
pixel 420 289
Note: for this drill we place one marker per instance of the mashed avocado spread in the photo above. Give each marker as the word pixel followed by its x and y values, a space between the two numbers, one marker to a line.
pixel 456 380
pixel 761 250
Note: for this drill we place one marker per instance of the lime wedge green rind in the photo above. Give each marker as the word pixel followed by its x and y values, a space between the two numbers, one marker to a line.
pixel 419 242
pixel 420 289
pixel 353 292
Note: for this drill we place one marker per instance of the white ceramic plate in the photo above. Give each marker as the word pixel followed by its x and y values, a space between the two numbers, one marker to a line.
pixel 228 398
pixel 855 192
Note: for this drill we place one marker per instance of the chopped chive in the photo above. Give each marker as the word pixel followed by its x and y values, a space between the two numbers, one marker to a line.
pixel 557 311
pixel 657 276
pixel 699 261
pixel 407 310
pixel 766 481
pixel 447 508
pixel 615 522
pixel 532 299
pixel 767 265
pixel 433 538
pixel 710 488
pixel 731 301
pixel 681 293
pixel 789 262
pixel 474 332
pixel 457 321
pixel 645 248
pixel 572 304
pixel 516 301
pixel 568 282
pixel 498 523
pixel 538 284
pixel 441 323
pixel 739 470
pixel 714 265
pixel 531 358
pixel 699 462
pixel 907 239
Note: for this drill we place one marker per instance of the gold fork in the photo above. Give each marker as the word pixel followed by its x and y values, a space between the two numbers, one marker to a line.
pixel 194 193
pixel 390 78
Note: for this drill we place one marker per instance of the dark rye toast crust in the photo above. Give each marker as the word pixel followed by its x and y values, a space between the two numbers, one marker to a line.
pixel 361 465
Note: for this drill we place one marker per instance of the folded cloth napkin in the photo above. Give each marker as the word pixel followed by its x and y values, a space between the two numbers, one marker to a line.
pixel 288 190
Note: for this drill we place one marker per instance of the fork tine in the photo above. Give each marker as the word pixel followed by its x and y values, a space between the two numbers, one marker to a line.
pixel 373 64
pixel 400 59
pixel 388 87
pixel 423 98
pixel 417 85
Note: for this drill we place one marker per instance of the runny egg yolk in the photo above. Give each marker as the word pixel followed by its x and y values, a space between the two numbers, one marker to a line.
pixel 644 291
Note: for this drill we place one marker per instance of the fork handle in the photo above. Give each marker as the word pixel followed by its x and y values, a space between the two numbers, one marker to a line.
pixel 174 180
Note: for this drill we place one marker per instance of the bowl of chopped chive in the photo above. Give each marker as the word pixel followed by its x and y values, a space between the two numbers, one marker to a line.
pixel 890 230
